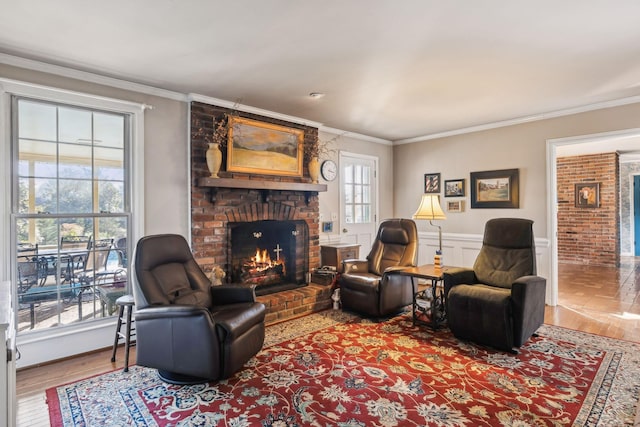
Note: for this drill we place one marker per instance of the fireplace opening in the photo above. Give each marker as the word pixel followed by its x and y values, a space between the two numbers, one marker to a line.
pixel 272 255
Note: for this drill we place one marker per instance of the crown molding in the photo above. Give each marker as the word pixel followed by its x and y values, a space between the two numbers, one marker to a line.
pixel 249 109
pixel 86 76
pixel 355 135
pixel 520 120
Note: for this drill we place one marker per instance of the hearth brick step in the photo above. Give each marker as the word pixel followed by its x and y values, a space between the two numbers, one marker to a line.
pixel 296 302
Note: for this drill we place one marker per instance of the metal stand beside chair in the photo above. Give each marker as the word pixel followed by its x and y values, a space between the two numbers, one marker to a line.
pixel 125 303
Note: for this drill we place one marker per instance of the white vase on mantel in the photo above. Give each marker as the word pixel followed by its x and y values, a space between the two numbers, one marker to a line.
pixel 214 159
pixel 314 169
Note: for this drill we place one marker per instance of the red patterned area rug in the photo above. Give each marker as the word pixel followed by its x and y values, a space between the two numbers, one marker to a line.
pixel 332 369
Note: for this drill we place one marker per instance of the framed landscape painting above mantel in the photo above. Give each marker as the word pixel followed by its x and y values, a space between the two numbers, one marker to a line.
pixel 264 148
pixel 495 189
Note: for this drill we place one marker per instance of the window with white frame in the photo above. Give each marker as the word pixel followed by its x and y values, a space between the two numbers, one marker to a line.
pixel 71 211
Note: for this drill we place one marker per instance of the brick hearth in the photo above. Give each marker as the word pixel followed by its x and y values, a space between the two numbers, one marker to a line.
pixel 297 302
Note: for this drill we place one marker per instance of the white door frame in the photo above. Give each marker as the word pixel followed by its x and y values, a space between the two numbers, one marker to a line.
pixel 552 194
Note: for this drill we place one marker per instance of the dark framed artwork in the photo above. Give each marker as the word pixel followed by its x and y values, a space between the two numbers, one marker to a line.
pixel 264 148
pixel 495 189
pixel 454 188
pixel 588 195
pixel 432 183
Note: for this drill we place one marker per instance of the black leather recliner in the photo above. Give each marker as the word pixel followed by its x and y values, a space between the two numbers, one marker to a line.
pixel 369 287
pixel 500 302
pixel 190 331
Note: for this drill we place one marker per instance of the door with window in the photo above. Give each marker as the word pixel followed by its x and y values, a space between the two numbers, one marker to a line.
pixel 358 196
pixel 70 212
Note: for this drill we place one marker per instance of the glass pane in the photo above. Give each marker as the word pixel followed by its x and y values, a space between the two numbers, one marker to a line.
pixel 46 233
pixel 348 214
pixel 75 227
pixel 36 120
pixel 358 174
pixel 37 158
pixel 348 193
pixel 348 174
pixel 75 161
pixel 358 214
pixel 358 195
pixel 75 125
pixel 108 130
pixel 366 194
pixel 37 195
pixel 109 163
pixel 75 196
pixel 366 175
pixel 366 213
pixel 110 196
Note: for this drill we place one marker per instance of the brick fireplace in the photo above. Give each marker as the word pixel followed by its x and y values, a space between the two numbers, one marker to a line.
pixel 236 198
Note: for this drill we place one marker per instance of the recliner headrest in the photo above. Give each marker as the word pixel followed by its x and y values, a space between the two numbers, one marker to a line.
pixel 509 233
pixel 396 236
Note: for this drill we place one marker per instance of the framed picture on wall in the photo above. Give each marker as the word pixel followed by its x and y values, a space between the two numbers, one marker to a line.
pixel 264 148
pixel 588 195
pixel 432 183
pixel 455 206
pixel 495 189
pixel 454 188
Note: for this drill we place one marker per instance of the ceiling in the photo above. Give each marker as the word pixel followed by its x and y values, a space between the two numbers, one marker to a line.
pixel 389 69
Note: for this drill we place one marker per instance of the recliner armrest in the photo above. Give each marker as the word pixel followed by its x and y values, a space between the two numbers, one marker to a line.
pixel 229 294
pixel 526 286
pixel 169 311
pixel 355 266
pixel 458 276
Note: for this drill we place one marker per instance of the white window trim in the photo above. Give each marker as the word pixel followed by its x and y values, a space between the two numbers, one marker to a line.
pixel 41 346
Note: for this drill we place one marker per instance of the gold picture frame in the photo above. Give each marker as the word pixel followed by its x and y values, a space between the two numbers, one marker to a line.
pixel 264 148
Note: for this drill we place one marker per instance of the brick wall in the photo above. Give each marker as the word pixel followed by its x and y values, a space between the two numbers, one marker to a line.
pixel 209 219
pixel 589 235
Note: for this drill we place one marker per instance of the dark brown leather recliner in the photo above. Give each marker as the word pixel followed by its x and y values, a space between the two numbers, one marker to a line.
pixel 500 302
pixel 190 331
pixel 369 287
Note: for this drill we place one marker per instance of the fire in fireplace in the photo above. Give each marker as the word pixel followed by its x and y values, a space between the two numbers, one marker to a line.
pixel 272 255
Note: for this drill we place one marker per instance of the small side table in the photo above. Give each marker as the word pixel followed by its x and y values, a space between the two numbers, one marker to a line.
pixel 431 301
pixel 334 254
pixel 125 304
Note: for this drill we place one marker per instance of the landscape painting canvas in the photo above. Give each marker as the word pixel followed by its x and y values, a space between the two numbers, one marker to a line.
pixel 495 189
pixel 265 148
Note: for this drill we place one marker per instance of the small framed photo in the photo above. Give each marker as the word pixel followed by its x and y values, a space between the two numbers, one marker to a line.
pixel 455 206
pixel 432 183
pixel 588 195
pixel 454 188
pixel 327 227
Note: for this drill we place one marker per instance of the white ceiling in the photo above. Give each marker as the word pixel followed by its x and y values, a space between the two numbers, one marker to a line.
pixel 390 69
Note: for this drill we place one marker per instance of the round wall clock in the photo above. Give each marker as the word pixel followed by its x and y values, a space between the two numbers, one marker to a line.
pixel 329 170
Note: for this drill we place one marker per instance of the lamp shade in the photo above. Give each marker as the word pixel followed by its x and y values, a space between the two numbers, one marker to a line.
pixel 429 208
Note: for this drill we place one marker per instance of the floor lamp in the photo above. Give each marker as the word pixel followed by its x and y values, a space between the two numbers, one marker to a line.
pixel 430 209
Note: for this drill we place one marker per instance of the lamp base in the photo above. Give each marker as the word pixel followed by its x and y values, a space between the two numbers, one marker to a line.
pixel 437 260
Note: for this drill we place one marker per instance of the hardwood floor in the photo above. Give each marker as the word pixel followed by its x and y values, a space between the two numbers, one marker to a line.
pixel 604 301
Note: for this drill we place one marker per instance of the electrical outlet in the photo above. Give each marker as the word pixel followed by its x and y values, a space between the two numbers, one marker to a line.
pixel 334 216
pixel 321 217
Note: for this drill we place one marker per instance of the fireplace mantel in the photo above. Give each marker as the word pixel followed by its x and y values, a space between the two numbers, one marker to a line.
pixel 265 187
